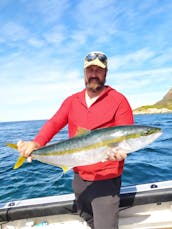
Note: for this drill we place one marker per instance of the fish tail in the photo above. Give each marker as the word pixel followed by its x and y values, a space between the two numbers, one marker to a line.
pixel 12 145
pixel 20 160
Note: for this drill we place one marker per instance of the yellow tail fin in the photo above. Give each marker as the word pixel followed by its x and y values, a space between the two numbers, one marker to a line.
pixel 11 145
pixel 20 160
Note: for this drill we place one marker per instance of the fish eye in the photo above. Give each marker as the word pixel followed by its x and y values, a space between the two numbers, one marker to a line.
pixel 146 133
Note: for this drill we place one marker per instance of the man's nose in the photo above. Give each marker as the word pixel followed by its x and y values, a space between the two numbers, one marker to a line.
pixel 93 73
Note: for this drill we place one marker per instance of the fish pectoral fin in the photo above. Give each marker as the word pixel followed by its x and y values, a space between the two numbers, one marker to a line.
pixel 65 168
pixel 19 162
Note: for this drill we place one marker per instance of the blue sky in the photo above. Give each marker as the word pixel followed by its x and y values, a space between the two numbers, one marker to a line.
pixel 43 44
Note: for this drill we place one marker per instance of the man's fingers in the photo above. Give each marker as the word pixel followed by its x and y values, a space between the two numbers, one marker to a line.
pixel 26 147
pixel 116 155
pixel 120 155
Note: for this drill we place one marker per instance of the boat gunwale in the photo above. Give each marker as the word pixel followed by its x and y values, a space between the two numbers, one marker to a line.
pixel 156 192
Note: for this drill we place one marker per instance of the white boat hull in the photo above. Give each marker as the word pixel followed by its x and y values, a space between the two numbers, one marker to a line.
pixel 147 206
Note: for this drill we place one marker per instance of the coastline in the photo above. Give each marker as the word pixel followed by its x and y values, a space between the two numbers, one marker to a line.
pixel 152 111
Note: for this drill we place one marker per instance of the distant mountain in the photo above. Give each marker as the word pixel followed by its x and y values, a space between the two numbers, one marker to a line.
pixel 166 100
pixel 162 106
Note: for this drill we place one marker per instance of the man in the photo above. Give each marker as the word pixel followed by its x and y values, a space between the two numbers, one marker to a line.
pixel 96 186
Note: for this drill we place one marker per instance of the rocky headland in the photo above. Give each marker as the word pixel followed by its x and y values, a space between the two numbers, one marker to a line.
pixel 162 106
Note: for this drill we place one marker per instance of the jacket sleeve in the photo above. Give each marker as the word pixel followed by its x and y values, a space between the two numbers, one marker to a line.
pixel 54 125
pixel 124 114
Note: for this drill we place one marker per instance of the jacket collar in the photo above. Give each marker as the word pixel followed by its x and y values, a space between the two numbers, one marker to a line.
pixel 81 95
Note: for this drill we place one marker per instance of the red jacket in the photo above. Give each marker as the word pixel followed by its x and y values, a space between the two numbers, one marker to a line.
pixel 110 109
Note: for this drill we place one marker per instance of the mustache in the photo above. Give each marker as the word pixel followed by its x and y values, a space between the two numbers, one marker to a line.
pixel 93 78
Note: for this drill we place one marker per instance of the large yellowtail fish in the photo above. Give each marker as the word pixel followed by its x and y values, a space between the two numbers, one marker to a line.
pixel 92 147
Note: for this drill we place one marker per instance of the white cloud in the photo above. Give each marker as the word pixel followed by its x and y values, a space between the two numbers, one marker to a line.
pixel 13 32
pixel 48 11
pixel 56 35
pixel 164 57
pixel 35 42
pixel 130 60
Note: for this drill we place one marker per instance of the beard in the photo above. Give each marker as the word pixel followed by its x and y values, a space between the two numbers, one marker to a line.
pixel 95 84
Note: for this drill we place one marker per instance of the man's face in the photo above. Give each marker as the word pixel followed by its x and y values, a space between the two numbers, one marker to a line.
pixel 95 78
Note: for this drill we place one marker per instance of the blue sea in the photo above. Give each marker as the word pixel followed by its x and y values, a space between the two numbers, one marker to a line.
pixel 151 164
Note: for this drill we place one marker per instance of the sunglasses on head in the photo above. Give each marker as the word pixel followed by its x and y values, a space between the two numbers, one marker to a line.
pixel 92 56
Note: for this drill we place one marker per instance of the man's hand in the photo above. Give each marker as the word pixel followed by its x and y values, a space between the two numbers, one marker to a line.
pixel 26 147
pixel 116 154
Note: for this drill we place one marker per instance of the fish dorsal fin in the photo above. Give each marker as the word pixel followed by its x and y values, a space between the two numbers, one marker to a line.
pixel 81 131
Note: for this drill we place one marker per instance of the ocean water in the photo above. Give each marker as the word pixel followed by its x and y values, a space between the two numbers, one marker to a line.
pixel 151 164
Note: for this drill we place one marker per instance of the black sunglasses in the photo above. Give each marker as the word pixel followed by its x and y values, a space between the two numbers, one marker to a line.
pixel 92 56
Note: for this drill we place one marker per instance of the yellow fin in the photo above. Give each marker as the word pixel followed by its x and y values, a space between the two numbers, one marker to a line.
pixel 12 145
pixel 81 131
pixel 19 162
pixel 65 168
